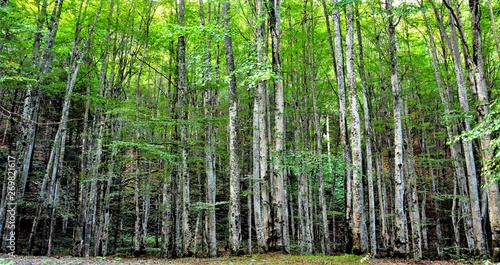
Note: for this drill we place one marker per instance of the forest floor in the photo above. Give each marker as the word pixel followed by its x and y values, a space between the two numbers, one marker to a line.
pixel 240 260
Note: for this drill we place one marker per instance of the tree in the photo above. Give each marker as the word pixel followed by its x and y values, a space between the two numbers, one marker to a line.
pixel 359 230
pixel 234 175
pixel 401 240
pixel 280 238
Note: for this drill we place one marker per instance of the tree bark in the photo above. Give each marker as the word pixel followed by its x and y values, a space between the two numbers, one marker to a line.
pixel 359 230
pixel 234 170
pixel 209 102
pixel 280 238
pixel 183 106
pixel 493 190
pixel 260 170
pixel 372 231
pixel 401 240
pixel 346 148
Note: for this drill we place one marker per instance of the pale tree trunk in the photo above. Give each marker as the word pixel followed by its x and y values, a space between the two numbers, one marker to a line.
pixel 146 206
pixel 210 102
pixel 332 55
pixel 330 171
pixel 264 135
pixel 430 172
pixel 93 166
pixel 372 231
pixel 359 229
pixel 260 172
pixel 183 103
pixel 437 207
pixel 382 200
pixel 141 185
pixel 166 215
pixel 325 233
pixel 304 215
pixel 379 159
pixel 234 170
pixel 102 241
pixel 146 202
pixel 482 108
pixel 137 202
pixel 423 215
pixel 414 211
pixel 107 204
pixel 346 149
pixel 401 241
pixel 304 220
pixel 280 238
pixel 256 176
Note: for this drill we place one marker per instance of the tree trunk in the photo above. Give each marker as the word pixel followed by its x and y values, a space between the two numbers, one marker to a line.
pixel 346 149
pixel 372 231
pixel 414 212
pixel 280 238
pixel 210 102
pixel 483 110
pixel 234 174
pixel 401 240
pixel 359 230
pixel 183 106
pixel 260 167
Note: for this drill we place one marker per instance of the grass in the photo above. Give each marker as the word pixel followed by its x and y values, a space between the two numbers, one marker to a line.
pixel 274 258
pixel 260 259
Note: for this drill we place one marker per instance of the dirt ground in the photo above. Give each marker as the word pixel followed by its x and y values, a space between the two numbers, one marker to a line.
pixel 254 259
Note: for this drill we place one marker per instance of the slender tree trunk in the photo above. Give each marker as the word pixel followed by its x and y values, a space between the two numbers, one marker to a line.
pixel 401 240
pixel 493 190
pixel 280 238
pixel 414 211
pixel 372 231
pixel 382 200
pixel 260 167
pixel 166 216
pixel 346 149
pixel 249 220
pixel 234 174
pixel 183 103
pixel 359 230
pixel 210 102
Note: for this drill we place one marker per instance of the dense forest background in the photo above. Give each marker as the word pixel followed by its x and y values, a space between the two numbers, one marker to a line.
pixel 206 127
